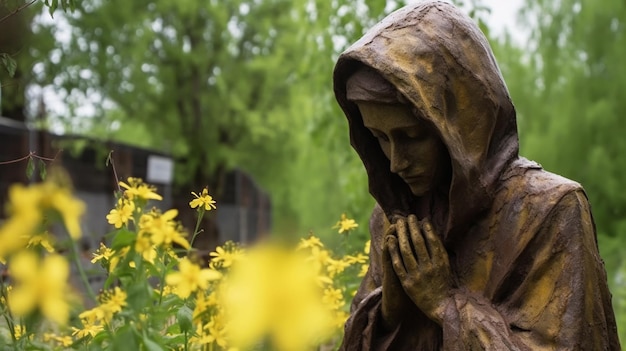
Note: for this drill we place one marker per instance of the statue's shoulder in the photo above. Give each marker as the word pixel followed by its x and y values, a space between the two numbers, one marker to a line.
pixel 529 181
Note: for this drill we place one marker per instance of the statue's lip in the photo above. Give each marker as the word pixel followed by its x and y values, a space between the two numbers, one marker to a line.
pixel 412 178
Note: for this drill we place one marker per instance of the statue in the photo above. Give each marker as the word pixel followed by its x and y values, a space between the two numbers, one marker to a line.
pixel 473 246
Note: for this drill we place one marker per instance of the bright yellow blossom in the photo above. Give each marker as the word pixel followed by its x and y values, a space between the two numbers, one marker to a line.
pixel 89 330
pixel 162 229
pixel 203 200
pixel 103 253
pixel 122 213
pixel 190 277
pixel 114 300
pixel 40 284
pixel 345 224
pixel 136 188
pixel 273 293
pixel 366 249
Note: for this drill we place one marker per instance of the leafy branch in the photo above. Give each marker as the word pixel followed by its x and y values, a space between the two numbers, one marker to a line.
pixel 32 157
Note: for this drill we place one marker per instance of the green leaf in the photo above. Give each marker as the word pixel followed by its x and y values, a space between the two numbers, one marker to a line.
pixel 122 238
pixel 53 6
pixel 184 317
pixel 151 345
pixel 42 170
pixel 9 63
pixel 30 168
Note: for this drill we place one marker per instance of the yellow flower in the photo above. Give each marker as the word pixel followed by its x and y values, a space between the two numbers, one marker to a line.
pixel 137 188
pixel 345 224
pixel 162 229
pixel 203 200
pixel 122 213
pixel 310 242
pixel 190 278
pixel 333 298
pixel 363 271
pixel 40 284
pixel 44 240
pixel 89 330
pixel 273 293
pixel 18 331
pixel 335 267
pixel 225 258
pixel 70 208
pixel 366 249
pixel 216 331
pixel 103 253
pixel 113 301
pixel 27 207
pixel 144 246
pixel 24 218
pixel 359 258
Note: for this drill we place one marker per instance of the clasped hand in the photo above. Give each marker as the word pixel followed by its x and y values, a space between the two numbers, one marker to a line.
pixel 416 272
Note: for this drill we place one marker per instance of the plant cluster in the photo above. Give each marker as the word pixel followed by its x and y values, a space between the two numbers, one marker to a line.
pixel 159 293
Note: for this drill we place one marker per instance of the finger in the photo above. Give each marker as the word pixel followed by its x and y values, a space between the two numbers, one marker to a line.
pixel 396 257
pixel 390 231
pixel 419 244
pixel 404 243
pixel 435 246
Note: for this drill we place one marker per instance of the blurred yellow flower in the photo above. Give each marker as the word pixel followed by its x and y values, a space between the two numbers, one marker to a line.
pixel 136 188
pixel 122 213
pixel 272 293
pixel 345 224
pixel 39 284
pixel 190 277
pixel 70 208
pixel 18 331
pixel 204 200
pixel 333 298
pixel 44 240
pixel 363 271
pixel 310 242
pixel 366 249
pixel 225 257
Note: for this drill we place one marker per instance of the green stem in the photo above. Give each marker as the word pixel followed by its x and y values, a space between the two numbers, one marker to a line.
pixel 7 312
pixel 81 272
pixel 195 231
pixel 162 278
pixel 186 341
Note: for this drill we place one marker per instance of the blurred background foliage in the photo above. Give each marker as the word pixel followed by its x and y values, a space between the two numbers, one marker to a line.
pixel 248 84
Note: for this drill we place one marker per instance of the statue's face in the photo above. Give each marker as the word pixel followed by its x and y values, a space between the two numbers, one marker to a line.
pixel 414 151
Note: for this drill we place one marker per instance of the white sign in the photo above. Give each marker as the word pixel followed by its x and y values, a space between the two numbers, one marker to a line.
pixel 160 169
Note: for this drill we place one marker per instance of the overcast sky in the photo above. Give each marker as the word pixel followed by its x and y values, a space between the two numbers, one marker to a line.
pixel 504 15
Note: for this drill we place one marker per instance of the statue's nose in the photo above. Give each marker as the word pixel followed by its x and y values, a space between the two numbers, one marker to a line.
pixel 398 160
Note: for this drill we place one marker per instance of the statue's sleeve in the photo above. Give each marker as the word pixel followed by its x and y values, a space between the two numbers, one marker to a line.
pixel 556 294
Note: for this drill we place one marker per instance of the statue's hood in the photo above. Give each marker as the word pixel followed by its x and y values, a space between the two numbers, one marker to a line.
pixel 441 62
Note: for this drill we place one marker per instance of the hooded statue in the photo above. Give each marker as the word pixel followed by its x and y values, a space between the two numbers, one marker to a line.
pixel 504 255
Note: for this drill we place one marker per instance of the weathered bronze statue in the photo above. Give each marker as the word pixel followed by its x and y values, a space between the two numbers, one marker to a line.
pixel 473 246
